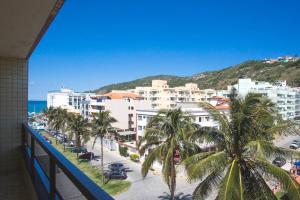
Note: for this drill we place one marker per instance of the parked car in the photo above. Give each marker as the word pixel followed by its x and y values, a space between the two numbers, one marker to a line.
pixel 279 161
pixel 62 139
pixel 87 156
pixel 115 175
pixel 295 144
pixel 117 167
pixel 80 150
pixel 53 133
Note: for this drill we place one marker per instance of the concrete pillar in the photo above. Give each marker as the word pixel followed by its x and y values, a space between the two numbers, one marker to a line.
pixel 13 110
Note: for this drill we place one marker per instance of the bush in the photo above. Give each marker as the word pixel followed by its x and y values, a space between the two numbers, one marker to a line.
pixel 123 151
pixel 135 157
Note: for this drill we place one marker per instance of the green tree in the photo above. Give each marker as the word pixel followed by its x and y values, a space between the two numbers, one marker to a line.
pixel 79 128
pixel 238 164
pixel 165 136
pixel 57 119
pixel 101 124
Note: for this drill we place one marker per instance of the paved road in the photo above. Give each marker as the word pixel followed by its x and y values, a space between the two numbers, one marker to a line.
pixel 153 187
pixel 150 188
pixel 285 141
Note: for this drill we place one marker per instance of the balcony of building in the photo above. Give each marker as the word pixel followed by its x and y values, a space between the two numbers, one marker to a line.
pixel 30 168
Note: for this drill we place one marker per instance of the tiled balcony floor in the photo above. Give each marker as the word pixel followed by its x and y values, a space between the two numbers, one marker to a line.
pixel 16 185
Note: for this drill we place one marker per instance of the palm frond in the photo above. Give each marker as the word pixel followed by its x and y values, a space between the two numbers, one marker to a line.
pixel 220 118
pixel 262 148
pixel 232 186
pixel 289 184
pixel 150 159
pixel 206 165
pixel 207 185
pixel 257 188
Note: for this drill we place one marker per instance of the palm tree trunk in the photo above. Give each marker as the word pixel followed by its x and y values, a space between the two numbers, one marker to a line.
pixel 102 167
pixel 173 179
pixel 77 146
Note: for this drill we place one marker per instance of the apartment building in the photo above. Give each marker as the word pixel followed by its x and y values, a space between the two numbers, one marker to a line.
pixel 285 97
pixel 67 99
pixel 122 105
pixel 199 115
pixel 297 104
pixel 164 97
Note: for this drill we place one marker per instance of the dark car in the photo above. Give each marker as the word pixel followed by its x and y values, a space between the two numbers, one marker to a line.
pixel 87 156
pixel 117 167
pixel 279 161
pixel 115 175
pixel 80 150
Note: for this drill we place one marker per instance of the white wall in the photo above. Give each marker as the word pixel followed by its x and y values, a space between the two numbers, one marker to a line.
pixel 201 117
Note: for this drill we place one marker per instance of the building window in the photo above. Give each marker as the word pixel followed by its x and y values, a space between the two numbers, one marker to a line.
pixel 200 119
pixel 207 118
pixel 140 128
pixel 132 107
pixel 140 117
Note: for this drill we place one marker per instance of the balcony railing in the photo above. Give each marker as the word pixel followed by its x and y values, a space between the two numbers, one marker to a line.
pixel 53 176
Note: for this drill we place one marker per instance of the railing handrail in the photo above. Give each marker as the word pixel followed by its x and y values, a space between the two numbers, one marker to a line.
pixel 83 183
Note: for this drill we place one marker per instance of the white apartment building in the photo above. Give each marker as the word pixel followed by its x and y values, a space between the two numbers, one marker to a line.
pixel 199 115
pixel 287 99
pixel 163 96
pixel 297 104
pixel 66 98
pixel 122 106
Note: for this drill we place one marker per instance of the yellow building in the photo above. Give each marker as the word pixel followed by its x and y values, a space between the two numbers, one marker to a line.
pixel 162 96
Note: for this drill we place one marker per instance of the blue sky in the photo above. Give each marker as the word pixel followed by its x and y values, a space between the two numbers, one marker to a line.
pixel 92 43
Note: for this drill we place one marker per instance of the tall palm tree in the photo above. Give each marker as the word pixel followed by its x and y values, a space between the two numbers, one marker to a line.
pixel 49 114
pixel 78 128
pixel 165 137
pixel 57 118
pixel 101 124
pixel 237 167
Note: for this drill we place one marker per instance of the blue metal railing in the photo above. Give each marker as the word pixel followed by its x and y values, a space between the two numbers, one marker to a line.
pixel 46 183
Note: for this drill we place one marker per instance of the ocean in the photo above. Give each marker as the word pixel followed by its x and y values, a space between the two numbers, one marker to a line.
pixel 36 106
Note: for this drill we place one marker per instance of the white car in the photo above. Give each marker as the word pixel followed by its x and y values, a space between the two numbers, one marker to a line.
pixel 295 145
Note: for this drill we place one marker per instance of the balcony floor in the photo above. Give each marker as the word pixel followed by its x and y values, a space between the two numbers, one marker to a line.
pixel 16 185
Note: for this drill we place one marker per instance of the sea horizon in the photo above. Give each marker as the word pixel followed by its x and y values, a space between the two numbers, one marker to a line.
pixel 36 106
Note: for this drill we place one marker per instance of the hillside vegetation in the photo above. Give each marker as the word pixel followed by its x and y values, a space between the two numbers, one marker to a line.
pixel 256 70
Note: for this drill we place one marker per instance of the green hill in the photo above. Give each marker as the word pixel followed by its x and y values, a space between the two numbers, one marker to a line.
pixel 256 70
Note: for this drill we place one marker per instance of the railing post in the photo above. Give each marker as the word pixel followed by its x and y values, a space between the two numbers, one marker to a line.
pixel 32 156
pixel 52 178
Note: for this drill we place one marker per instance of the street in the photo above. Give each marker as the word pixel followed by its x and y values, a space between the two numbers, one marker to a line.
pixel 148 188
pixel 153 186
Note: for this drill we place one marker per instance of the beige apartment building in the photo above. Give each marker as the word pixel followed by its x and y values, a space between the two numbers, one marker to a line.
pixel 162 96
pixel 122 105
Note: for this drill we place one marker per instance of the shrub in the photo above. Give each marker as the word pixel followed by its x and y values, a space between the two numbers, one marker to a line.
pixel 135 157
pixel 123 151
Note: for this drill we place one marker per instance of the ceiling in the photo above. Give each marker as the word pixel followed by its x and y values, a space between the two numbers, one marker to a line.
pixel 23 23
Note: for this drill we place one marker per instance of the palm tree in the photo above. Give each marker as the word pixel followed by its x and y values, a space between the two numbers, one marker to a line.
pixel 57 119
pixel 165 137
pixel 239 164
pixel 78 128
pixel 101 123
pixel 49 114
